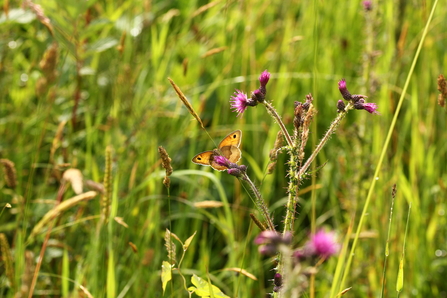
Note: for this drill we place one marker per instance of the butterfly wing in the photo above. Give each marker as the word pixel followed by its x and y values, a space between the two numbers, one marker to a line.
pixel 203 158
pixel 228 147
pixel 232 153
pixel 232 139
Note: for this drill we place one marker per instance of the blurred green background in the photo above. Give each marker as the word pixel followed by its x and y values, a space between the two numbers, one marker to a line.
pixel 78 76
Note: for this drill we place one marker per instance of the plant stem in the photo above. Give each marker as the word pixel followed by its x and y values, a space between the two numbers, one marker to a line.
pixel 262 206
pixel 324 140
pixel 275 115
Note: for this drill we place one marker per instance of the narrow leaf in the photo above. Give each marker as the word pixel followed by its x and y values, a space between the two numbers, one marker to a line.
pixel 241 271
pixel 188 241
pixel 400 276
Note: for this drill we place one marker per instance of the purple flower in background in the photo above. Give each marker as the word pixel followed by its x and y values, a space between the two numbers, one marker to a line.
pixel 323 244
pixel 367 5
pixel 268 236
pixel 270 240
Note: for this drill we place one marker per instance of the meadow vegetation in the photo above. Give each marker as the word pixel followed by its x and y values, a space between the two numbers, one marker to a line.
pixel 85 104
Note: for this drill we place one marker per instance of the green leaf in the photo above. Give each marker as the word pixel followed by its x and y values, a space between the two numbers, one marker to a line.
pixel 203 288
pixel 188 241
pixel 166 274
pixel 400 276
pixel 103 45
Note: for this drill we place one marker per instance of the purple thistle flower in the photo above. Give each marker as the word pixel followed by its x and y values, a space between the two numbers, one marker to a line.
pixel 235 172
pixel 268 249
pixel 257 95
pixel 367 5
pixel 344 90
pixel 371 108
pixel 268 236
pixel 270 240
pixel 264 78
pixel 221 161
pixel 240 102
pixel 323 244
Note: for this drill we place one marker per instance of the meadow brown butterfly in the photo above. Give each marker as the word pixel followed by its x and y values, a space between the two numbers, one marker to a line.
pixel 228 148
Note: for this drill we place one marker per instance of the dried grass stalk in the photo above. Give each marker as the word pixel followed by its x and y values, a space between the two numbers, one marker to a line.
pixel 57 210
pixel 186 102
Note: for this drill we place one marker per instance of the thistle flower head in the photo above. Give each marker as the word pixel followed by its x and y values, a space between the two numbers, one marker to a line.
pixel 240 102
pixel 264 78
pixel 367 5
pixel 369 107
pixel 323 244
pixel 257 95
pixel 344 90
pixel 221 161
pixel 340 106
pixel 270 240
pixel 236 172
pixel 277 282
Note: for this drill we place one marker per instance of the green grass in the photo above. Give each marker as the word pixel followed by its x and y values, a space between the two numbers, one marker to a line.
pixel 114 57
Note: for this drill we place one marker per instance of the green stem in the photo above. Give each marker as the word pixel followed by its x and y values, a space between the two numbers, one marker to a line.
pixel 275 115
pixel 324 140
pixel 262 206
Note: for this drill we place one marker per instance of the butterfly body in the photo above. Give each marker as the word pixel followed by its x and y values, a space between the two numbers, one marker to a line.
pixel 228 148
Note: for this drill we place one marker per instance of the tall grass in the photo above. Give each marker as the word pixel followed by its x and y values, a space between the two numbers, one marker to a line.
pixel 98 78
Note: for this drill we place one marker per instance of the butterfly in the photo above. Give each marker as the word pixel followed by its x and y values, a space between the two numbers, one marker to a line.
pixel 228 148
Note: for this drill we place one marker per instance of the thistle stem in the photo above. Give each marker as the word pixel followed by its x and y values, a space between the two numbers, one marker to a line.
pixel 262 206
pixel 275 115
pixel 324 140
